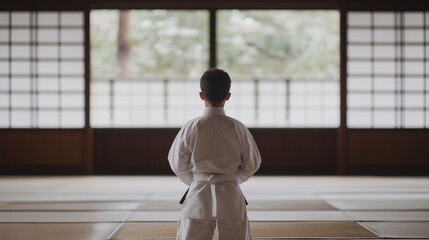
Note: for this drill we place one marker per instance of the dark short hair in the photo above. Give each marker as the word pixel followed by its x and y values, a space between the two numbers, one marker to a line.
pixel 215 85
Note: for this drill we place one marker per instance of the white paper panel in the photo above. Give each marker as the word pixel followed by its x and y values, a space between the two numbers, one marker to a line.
pixel 359 119
pixel 414 83
pixel 47 84
pixel 4 100
pixel 156 87
pixel 413 119
pixel 20 35
pixel 314 118
pixel 298 87
pixel 121 117
pixel 121 87
pixel 414 67
pixel 413 19
pixel 384 19
pixel 157 101
pixel 20 19
pixel 72 84
pixel 100 87
pixel 100 117
pixel 297 101
pixel 359 35
pixel 20 118
pixel 48 118
pixel 384 67
pixel 139 87
pixel 359 67
pixel 384 119
pixel 74 68
pixel 413 36
pixel 384 35
pixel 4 119
pixel 359 100
pixel 4 35
pixel 331 118
pixel 359 19
pixel 427 118
pixel 4 84
pixel 72 52
pixel 4 19
pixel 137 100
pixel 20 51
pixel 384 51
pixel 384 100
pixel 72 19
pixel 414 52
pixel 20 100
pixel 47 51
pixel 72 100
pixel 4 51
pixel 20 84
pixel 384 83
pixel 47 35
pixel 331 101
pixel 4 67
pixel 47 67
pixel 414 100
pixel 121 100
pixel 48 100
pixel 156 117
pixel 359 51
pixel 100 101
pixel 174 101
pixel 332 87
pixel 72 119
pixel 20 67
pixel 47 19
pixel 427 18
pixel 72 35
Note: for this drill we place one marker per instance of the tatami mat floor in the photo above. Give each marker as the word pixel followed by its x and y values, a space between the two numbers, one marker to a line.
pixel 141 207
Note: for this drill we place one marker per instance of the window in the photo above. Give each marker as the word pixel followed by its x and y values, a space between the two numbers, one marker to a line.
pixel 146 66
pixel 41 69
pixel 284 65
pixel 387 70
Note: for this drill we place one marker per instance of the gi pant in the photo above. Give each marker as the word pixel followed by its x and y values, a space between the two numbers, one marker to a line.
pixel 210 200
pixel 203 229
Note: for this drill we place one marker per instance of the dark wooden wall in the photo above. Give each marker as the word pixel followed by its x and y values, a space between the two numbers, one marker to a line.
pixel 284 151
pixel 36 151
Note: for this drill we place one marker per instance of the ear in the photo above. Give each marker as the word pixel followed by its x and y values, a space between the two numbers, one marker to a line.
pixel 202 96
pixel 228 96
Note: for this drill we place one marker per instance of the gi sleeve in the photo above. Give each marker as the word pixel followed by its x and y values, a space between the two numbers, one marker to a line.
pixel 179 157
pixel 250 158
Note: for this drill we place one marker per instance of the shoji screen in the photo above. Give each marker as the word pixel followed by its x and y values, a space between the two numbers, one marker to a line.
pixel 41 69
pixel 387 68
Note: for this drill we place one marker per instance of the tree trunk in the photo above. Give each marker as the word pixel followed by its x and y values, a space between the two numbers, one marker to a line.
pixel 123 43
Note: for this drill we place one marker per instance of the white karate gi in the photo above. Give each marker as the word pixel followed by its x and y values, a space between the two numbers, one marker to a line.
pixel 213 154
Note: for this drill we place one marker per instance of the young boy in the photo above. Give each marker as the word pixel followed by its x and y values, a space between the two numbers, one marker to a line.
pixel 213 154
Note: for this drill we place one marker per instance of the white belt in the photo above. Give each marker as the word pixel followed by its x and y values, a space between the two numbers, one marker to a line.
pixel 214 178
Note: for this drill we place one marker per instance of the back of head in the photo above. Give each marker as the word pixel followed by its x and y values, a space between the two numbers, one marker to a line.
pixel 215 85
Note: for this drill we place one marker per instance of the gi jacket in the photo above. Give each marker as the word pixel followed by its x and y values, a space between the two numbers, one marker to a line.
pixel 214 149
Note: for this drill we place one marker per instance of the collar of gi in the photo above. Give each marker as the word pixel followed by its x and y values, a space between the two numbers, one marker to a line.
pixel 214 111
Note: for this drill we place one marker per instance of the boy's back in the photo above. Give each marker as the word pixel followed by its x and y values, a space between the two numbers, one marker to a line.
pixel 217 143
pixel 213 154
